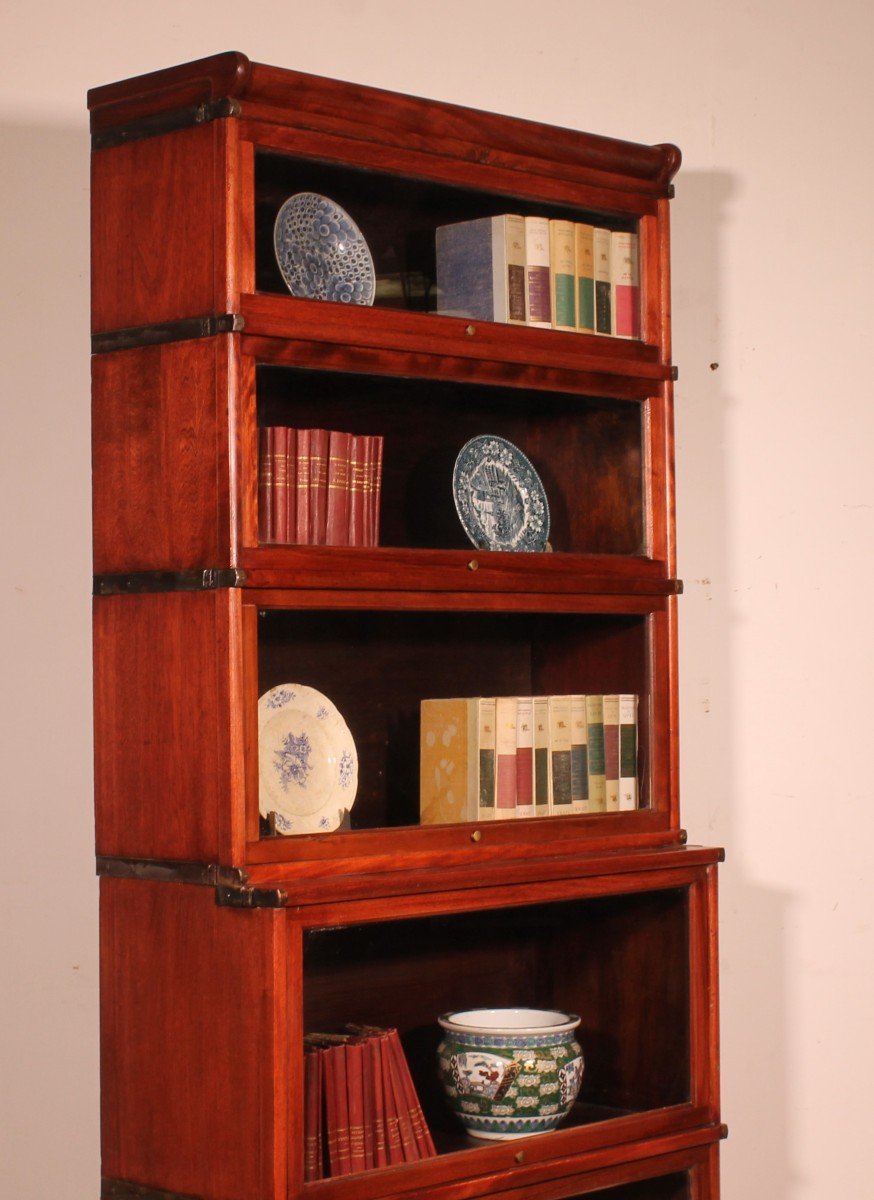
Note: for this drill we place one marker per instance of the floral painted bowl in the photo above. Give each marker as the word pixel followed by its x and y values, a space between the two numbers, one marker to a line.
pixel 510 1072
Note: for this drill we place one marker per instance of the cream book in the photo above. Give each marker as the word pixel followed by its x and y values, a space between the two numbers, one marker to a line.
pixel 584 265
pixel 505 757
pixel 625 284
pixel 579 756
pixel 601 242
pixel 525 756
pixel 595 732
pixel 542 777
pixel 538 307
pixel 562 275
pixel 560 754
pixel 449 783
pixel 611 752
pixel 628 792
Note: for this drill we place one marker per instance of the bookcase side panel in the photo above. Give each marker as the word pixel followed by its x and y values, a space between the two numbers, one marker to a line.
pixel 161 457
pixel 155 211
pixel 194 1042
pixel 164 720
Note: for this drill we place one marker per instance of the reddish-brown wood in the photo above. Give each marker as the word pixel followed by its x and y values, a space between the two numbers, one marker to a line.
pixel 194 1038
pixel 203 1007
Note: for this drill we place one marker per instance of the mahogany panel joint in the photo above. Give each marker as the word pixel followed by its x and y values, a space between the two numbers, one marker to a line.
pixel 117 1189
pixel 162 333
pixel 207 579
pixel 249 897
pixel 161 123
pixel 203 874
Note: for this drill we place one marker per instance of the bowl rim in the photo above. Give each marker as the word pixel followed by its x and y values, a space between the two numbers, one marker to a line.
pixel 508 1022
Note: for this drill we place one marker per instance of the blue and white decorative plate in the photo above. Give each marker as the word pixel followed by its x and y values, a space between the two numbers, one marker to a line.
pixel 499 498
pixel 321 252
pixel 308 764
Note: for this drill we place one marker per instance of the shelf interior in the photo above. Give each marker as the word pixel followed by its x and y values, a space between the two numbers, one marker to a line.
pixel 376 667
pixel 397 216
pixel 620 963
pixel 587 452
pixel 676 1186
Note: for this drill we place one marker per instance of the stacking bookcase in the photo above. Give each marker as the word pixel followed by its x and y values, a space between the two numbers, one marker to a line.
pixel 222 943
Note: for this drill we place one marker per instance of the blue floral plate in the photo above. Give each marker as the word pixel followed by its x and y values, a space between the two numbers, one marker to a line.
pixel 321 252
pixel 498 495
pixel 308 764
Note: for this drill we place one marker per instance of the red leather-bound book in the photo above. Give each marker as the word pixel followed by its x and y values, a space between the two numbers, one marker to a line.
pixel 421 1134
pixel 265 484
pixel 375 494
pixel 355 1094
pixel 302 486
pixel 319 439
pixel 377 1093
pixel 337 522
pixel 291 484
pixel 358 490
pixel 313 1101
pixel 339 1157
pixel 280 485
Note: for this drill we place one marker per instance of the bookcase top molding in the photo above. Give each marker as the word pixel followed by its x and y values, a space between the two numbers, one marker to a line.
pixel 230 85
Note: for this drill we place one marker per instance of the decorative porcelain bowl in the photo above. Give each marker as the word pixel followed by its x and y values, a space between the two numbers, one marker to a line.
pixel 510 1072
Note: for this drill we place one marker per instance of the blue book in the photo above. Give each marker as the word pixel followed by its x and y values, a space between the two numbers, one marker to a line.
pixel 481 269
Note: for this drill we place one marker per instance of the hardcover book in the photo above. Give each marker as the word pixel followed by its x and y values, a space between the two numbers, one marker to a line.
pixel 505 757
pixel 537 299
pixel 625 276
pixel 449 761
pixel 487 781
pixel 628 795
pixel 279 498
pixel 603 281
pixel 337 519
pixel 319 439
pixel 595 733
pixel 481 269
pixel 524 756
pixel 611 753
pixel 266 455
pixel 560 754
pixel 562 274
pixel 579 756
pixel 542 781
pixel 585 271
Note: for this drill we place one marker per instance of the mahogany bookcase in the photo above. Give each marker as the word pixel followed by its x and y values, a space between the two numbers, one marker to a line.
pixel 220 945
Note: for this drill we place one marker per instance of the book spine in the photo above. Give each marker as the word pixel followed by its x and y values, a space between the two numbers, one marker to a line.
pixel 313 1150
pixel 291 484
pixel 354 1052
pixel 611 752
pixel 318 486
pixel 280 485
pixel 514 267
pixel 560 754
pixel 628 753
pixel 537 302
pixel 505 757
pixel 337 516
pixel 603 305
pixel 562 274
pixel 541 756
pixel 421 1134
pixel 358 490
pixel 579 756
pixel 394 1144
pixel 625 275
pixel 338 1110
pixel 585 271
pixel 486 741
pixel 302 487
pixel 524 756
pixel 448 761
pixel 374 489
pixel 375 1080
pixel 595 731
pixel 266 453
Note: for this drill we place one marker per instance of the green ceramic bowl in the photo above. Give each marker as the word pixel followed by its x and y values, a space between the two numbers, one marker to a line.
pixel 510 1072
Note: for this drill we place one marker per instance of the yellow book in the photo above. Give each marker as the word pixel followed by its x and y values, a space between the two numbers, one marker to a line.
pixel 449 761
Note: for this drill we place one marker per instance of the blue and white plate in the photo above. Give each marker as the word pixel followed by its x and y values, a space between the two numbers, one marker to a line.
pixel 308 764
pixel 498 495
pixel 321 252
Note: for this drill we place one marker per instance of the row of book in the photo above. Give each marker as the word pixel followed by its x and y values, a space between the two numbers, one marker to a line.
pixel 493 758
pixel 361 1109
pixel 318 487
pixel 537 271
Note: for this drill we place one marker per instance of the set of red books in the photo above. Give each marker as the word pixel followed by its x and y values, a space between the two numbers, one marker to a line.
pixel 318 487
pixel 361 1109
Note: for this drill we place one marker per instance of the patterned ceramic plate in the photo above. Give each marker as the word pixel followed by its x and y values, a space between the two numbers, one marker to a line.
pixel 499 497
pixel 308 764
pixel 321 252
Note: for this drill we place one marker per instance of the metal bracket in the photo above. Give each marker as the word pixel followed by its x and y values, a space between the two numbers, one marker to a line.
pixel 165 871
pixel 248 897
pixel 168 122
pixel 208 579
pixel 163 333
